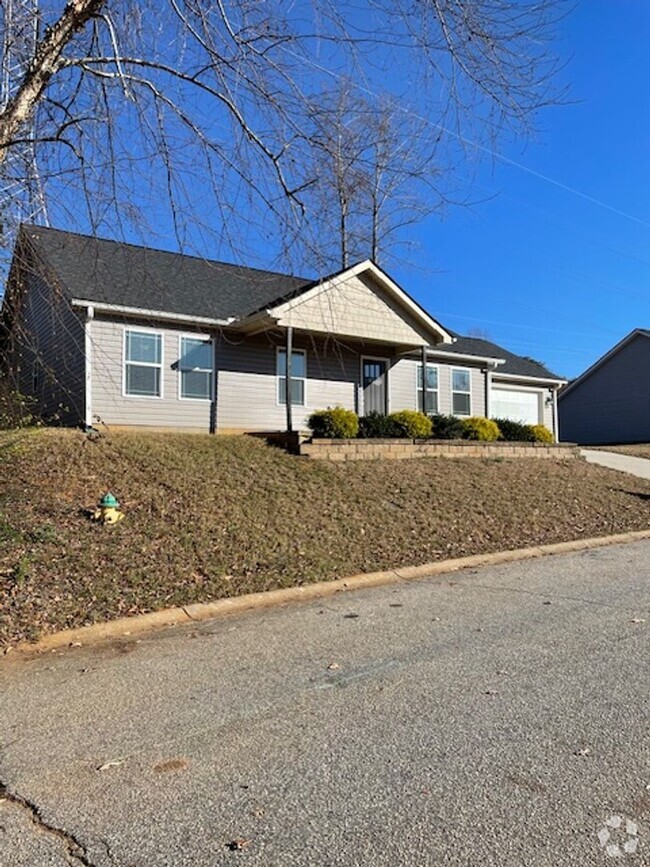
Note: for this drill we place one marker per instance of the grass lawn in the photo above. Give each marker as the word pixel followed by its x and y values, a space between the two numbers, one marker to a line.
pixel 211 517
pixel 640 450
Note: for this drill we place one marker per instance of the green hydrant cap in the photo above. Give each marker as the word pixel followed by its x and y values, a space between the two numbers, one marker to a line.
pixel 109 501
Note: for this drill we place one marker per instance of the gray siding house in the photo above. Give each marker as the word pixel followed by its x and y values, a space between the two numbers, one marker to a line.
pixel 100 332
pixel 610 402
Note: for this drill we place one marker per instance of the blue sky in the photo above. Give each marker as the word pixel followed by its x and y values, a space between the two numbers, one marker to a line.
pixel 538 268
pixel 552 262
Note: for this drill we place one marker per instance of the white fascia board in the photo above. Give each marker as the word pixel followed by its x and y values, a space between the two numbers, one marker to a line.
pixel 518 377
pixel 638 332
pixel 142 313
pixel 390 285
pixel 461 356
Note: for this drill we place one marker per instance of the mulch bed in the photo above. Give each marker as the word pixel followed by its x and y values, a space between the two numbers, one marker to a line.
pixel 210 517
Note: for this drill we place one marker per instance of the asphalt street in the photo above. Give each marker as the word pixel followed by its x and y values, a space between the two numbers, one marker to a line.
pixel 491 717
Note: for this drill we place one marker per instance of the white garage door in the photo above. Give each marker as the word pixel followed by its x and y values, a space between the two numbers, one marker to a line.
pixel 520 406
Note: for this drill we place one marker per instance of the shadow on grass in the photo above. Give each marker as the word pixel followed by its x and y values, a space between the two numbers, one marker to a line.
pixel 638 494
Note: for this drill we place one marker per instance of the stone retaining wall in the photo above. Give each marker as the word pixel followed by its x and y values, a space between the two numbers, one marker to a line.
pixel 401 449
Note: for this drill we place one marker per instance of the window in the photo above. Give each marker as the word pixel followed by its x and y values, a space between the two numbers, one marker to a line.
pixel 195 366
pixel 461 391
pixel 432 388
pixel 143 363
pixel 298 376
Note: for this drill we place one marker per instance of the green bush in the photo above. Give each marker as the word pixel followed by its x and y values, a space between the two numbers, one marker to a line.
pixel 334 423
pixel 377 425
pixel 542 434
pixel 479 428
pixel 15 408
pixel 447 427
pixel 414 424
pixel 515 431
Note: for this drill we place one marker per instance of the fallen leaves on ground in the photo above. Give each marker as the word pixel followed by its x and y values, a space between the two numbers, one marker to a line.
pixel 214 517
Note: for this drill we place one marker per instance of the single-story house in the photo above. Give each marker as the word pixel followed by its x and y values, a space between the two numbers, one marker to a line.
pixel 100 332
pixel 610 402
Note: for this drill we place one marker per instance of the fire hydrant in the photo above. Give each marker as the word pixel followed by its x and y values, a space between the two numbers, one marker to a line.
pixel 108 510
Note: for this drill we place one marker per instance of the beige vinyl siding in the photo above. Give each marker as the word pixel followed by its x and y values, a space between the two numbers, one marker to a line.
pixel 110 403
pixel 358 307
pixel 402 385
pixel 48 350
pixel 247 384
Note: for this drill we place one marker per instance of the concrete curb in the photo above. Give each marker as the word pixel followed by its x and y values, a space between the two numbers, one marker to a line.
pixel 141 623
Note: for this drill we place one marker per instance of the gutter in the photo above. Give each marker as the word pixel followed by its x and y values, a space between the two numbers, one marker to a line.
pixel 142 313
pixel 459 356
pixel 549 380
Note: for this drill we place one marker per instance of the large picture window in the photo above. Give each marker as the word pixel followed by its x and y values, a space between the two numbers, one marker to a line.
pixel 195 365
pixel 143 363
pixel 298 376
pixel 431 387
pixel 461 401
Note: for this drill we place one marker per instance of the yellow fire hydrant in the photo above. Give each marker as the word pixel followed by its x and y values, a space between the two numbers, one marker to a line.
pixel 108 510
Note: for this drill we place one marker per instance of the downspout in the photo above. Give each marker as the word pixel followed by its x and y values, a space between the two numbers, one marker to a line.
pixel 88 365
pixel 556 426
pixel 488 390
pixel 213 390
pixel 424 380
pixel 289 375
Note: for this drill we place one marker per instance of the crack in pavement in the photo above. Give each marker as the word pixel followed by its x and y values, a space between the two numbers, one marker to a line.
pixel 75 851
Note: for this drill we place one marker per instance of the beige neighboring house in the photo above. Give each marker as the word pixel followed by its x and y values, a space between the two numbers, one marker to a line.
pixel 101 332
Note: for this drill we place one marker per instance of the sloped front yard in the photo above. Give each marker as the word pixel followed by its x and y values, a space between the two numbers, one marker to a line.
pixel 211 517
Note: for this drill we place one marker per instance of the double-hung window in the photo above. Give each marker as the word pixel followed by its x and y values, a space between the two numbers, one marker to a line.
pixel 298 376
pixel 195 366
pixel 431 389
pixel 461 403
pixel 142 363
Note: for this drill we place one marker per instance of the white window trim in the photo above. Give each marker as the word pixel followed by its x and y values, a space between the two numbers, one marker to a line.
pixel 456 391
pixel 387 375
pixel 295 351
pixel 205 338
pixel 143 328
pixel 435 390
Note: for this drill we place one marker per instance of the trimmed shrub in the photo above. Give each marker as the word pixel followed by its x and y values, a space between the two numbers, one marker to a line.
pixel 447 427
pixel 414 424
pixel 377 425
pixel 542 434
pixel 479 428
pixel 515 431
pixel 334 423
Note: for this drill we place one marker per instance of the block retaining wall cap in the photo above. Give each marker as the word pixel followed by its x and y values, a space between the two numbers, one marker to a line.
pixel 402 449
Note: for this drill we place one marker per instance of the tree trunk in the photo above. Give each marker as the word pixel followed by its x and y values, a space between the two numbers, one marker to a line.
pixel 44 65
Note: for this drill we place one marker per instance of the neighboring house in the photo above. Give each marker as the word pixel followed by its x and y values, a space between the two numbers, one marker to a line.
pixel 103 332
pixel 610 402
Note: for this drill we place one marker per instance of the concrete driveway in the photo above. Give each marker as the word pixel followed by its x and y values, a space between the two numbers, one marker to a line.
pixel 616 461
pixel 494 717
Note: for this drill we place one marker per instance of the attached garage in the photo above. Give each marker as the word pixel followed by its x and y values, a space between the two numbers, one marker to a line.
pixel 516 404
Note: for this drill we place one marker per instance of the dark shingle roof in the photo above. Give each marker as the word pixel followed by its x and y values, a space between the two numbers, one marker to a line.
pixel 95 269
pixel 515 364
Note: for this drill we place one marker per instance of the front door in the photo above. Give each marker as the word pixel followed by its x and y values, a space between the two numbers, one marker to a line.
pixel 374 385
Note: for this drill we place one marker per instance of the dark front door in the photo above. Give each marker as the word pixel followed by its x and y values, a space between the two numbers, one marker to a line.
pixel 374 386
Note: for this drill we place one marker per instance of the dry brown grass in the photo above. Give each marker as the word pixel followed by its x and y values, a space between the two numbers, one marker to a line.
pixel 211 517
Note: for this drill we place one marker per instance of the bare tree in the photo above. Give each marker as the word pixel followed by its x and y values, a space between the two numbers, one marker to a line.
pixel 213 100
